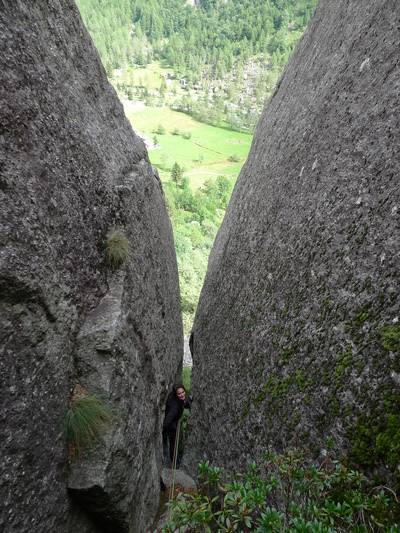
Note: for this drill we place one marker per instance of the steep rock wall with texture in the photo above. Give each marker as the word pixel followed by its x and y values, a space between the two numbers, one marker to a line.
pixel 71 170
pixel 296 331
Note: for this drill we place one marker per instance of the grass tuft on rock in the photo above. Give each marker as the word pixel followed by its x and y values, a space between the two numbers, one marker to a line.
pixel 87 419
pixel 118 248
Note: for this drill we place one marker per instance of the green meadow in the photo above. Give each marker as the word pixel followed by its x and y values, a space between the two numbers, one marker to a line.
pixel 208 153
pixel 150 76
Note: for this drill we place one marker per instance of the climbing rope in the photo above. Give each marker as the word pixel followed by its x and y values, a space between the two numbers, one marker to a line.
pixel 173 470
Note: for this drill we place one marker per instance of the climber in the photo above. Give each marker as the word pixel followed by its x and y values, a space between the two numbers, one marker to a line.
pixel 176 403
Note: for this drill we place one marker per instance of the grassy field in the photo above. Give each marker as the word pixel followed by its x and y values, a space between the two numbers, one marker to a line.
pixel 149 76
pixel 210 151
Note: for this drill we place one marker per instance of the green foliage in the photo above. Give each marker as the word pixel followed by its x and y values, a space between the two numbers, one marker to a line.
pixel 164 159
pixel 87 419
pixel 163 88
pixel 388 442
pixel 286 494
pixel 234 157
pixel 176 173
pixel 378 437
pixel 390 338
pixel 186 37
pixel 132 33
pixel 118 248
pixel 363 448
pixel 186 375
pixel 196 217
pixel 160 130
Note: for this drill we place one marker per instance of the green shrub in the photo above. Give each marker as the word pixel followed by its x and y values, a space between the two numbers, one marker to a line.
pixel 118 248
pixel 235 157
pixel 161 130
pixel 288 494
pixel 88 417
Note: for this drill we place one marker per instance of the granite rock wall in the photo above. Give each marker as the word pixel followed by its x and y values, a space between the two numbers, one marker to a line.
pixel 71 170
pixel 297 328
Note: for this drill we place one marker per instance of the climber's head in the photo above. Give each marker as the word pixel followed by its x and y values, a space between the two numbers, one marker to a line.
pixel 180 392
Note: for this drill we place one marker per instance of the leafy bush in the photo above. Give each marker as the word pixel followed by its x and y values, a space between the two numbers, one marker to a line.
pixel 88 417
pixel 234 157
pixel 287 495
pixel 161 130
pixel 118 248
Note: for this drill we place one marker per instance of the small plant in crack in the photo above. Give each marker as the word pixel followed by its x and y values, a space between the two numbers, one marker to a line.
pixel 88 417
pixel 118 248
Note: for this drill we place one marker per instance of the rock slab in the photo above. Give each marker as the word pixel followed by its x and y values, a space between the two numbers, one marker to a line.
pixel 301 296
pixel 71 170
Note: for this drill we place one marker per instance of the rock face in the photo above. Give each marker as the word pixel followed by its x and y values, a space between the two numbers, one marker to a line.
pixel 71 170
pixel 187 356
pixel 297 332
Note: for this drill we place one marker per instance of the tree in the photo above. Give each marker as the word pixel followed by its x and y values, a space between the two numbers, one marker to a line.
pixel 235 157
pixel 164 159
pixel 140 59
pixel 160 130
pixel 224 187
pixel 176 173
pixel 163 88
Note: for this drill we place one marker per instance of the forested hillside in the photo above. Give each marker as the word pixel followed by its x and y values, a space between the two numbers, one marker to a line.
pixel 203 42
pixel 239 46
pixel 218 63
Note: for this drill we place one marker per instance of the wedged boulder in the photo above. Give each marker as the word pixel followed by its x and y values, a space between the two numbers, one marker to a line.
pixel 72 170
pixel 296 331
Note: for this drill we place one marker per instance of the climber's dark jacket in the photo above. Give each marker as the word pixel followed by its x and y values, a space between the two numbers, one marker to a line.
pixel 173 411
